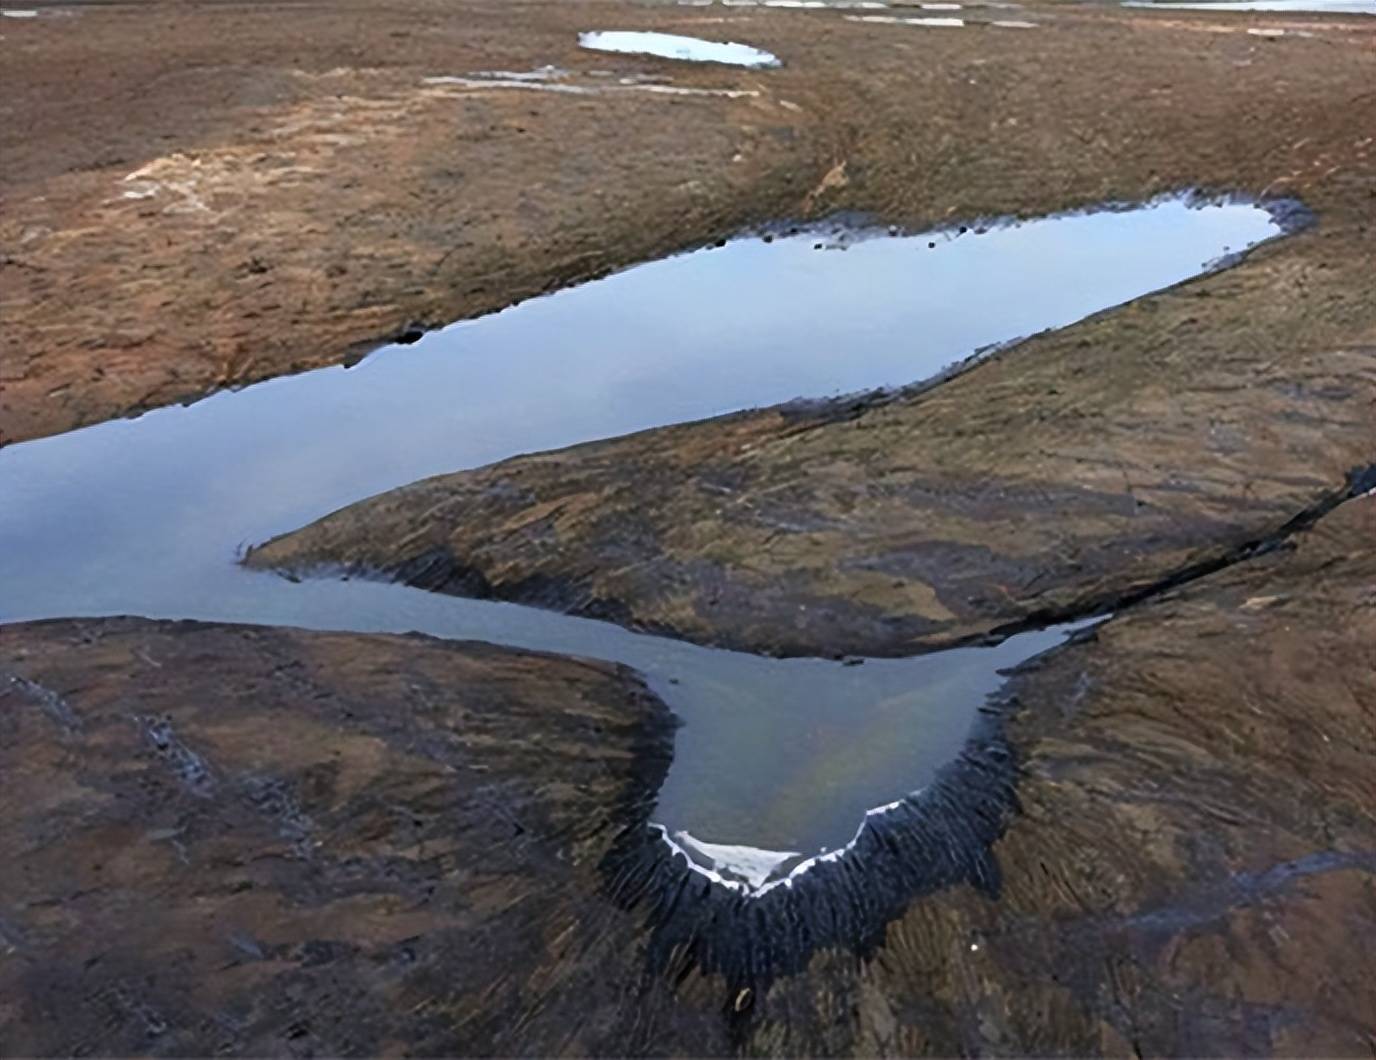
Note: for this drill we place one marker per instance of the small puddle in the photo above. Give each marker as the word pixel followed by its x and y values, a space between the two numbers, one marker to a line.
pixel 777 761
pixel 1330 7
pixel 672 46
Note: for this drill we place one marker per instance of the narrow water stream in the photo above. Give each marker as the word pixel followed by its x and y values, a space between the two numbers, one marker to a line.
pixel 775 757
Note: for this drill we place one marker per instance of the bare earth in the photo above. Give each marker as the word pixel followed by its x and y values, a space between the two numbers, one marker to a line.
pixel 265 841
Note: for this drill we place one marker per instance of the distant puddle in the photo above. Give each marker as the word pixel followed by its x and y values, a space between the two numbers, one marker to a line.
pixel 775 756
pixel 895 20
pixel 812 4
pixel 672 46
pixel 1331 7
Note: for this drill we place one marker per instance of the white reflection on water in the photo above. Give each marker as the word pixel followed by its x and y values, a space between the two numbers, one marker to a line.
pixel 673 46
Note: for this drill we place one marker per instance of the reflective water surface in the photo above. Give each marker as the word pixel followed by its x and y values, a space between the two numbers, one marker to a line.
pixel 673 46
pixel 146 516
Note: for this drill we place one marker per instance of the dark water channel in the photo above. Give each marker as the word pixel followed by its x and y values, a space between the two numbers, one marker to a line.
pixel 774 757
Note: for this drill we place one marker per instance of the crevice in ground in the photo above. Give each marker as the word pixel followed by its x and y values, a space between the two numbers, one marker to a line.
pixel 439 570
pixel 1360 481
pixel 940 837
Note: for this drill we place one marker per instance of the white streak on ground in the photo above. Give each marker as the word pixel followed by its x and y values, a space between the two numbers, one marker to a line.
pixel 751 863
pixel 894 20
pixel 755 864
pixel 480 83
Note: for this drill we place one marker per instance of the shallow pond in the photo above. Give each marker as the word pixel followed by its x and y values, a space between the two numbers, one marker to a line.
pixel 673 46
pixel 145 516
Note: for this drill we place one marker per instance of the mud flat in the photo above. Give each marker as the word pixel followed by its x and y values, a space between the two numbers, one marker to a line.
pixel 228 838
